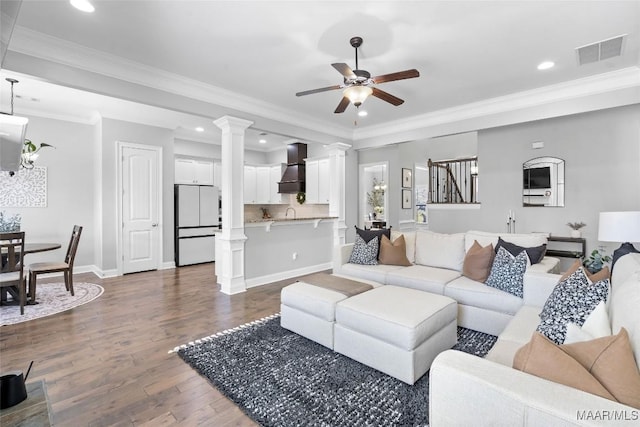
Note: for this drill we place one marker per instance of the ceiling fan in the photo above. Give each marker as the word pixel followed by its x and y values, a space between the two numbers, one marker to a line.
pixel 358 84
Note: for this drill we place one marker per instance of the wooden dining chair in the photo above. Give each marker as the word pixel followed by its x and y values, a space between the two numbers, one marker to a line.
pixel 65 267
pixel 12 277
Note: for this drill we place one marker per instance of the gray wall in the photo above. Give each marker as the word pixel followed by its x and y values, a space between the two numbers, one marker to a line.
pixel 602 154
pixel 118 130
pixel 442 148
pixel 271 252
pixel 70 188
pixel 406 155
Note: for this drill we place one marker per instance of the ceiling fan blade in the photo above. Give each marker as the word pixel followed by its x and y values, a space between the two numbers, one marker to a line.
pixel 345 70
pixel 344 103
pixel 400 75
pixel 322 89
pixel 385 96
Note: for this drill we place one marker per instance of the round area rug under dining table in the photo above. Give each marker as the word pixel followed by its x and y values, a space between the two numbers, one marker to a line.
pixel 52 298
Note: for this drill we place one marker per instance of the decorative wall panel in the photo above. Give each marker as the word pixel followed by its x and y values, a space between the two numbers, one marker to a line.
pixel 26 189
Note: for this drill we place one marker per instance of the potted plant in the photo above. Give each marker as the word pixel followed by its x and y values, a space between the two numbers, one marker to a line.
pixel 596 261
pixel 575 228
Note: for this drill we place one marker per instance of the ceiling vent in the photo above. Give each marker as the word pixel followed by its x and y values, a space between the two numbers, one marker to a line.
pixel 601 50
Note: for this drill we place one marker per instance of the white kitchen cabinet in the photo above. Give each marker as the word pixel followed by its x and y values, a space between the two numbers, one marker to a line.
pixel 262 184
pixel 250 185
pixel 275 176
pixel 317 181
pixel 188 171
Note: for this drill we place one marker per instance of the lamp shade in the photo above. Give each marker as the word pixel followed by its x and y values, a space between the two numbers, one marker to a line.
pixel 619 226
pixel 357 94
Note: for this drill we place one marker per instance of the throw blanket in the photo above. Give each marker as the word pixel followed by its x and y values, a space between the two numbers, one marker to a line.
pixel 344 286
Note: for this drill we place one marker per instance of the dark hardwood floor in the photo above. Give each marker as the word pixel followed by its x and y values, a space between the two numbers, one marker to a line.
pixel 106 363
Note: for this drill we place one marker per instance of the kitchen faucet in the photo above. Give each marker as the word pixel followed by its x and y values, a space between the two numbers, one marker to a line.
pixel 287 212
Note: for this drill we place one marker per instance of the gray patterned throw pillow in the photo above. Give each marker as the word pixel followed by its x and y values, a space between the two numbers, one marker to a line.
pixel 571 301
pixel 507 272
pixel 365 253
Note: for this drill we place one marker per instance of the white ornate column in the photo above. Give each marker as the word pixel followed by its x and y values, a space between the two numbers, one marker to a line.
pixel 337 190
pixel 230 243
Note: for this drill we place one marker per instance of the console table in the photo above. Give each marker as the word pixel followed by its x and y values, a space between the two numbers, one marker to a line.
pixel 567 247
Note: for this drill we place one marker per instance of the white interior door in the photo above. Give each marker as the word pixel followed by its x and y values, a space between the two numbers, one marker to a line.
pixel 140 209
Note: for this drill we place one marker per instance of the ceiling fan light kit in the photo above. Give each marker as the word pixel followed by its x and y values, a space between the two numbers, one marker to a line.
pixel 358 84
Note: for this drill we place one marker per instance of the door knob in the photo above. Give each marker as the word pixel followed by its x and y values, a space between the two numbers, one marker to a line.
pixel 154 224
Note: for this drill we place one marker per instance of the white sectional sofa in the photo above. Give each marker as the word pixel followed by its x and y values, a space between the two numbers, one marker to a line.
pixel 437 261
pixel 468 390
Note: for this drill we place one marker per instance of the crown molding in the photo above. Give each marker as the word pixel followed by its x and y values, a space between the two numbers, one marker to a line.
pixel 34 43
pixel 566 91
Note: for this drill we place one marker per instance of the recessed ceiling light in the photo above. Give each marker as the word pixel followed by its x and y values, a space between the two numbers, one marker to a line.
pixel 83 5
pixel 199 129
pixel 362 113
pixel 546 65
pixel 262 141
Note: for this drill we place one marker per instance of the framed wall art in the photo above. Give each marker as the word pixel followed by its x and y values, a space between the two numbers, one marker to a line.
pixel 406 199
pixel 407 178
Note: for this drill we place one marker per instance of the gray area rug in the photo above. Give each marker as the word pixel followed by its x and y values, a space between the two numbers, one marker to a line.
pixel 52 298
pixel 282 379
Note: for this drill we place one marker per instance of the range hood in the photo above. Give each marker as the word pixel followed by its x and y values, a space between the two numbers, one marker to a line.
pixel 293 178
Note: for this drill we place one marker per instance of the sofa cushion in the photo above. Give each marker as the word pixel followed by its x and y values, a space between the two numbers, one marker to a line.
pixel 410 243
pixel 625 299
pixel 476 294
pixel 521 239
pixel 399 316
pixel 377 273
pixel 594 277
pixel 507 272
pixel 440 250
pixel 572 300
pixel 603 366
pixel 423 278
pixel 517 333
pixel 535 253
pixel 367 235
pixel 478 261
pixel 364 253
pixel 393 253
pixel 596 325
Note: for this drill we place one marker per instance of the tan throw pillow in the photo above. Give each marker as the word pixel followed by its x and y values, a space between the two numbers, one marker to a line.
pixel 393 253
pixel 595 277
pixel 478 261
pixel 604 366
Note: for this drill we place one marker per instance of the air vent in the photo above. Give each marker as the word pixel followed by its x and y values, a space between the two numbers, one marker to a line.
pixel 600 51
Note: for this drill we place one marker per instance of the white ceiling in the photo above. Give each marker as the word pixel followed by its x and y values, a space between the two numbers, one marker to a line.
pixel 267 51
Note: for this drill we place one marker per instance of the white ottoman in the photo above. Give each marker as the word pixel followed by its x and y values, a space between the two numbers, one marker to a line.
pixel 309 310
pixel 396 330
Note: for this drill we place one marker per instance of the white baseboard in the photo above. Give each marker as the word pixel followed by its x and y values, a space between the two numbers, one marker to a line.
pixel 270 278
pixel 168 265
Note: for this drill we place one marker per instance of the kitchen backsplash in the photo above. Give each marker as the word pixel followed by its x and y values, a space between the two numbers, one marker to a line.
pixel 253 212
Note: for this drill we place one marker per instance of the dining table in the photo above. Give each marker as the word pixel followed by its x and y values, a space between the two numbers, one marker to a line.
pixel 29 248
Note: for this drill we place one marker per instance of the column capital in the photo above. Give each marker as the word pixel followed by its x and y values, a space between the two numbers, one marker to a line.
pixel 338 146
pixel 232 123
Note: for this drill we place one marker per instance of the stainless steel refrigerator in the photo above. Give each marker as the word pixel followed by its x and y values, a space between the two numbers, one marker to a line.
pixel 196 223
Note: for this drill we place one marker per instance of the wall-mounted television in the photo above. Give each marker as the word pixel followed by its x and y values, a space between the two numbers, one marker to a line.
pixel 537 178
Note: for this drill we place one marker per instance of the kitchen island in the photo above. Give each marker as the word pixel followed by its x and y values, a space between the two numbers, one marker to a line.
pixel 280 248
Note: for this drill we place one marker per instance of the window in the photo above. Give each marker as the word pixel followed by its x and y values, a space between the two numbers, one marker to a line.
pixel 453 181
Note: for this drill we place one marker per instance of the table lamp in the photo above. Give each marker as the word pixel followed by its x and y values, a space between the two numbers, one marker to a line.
pixel 620 227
